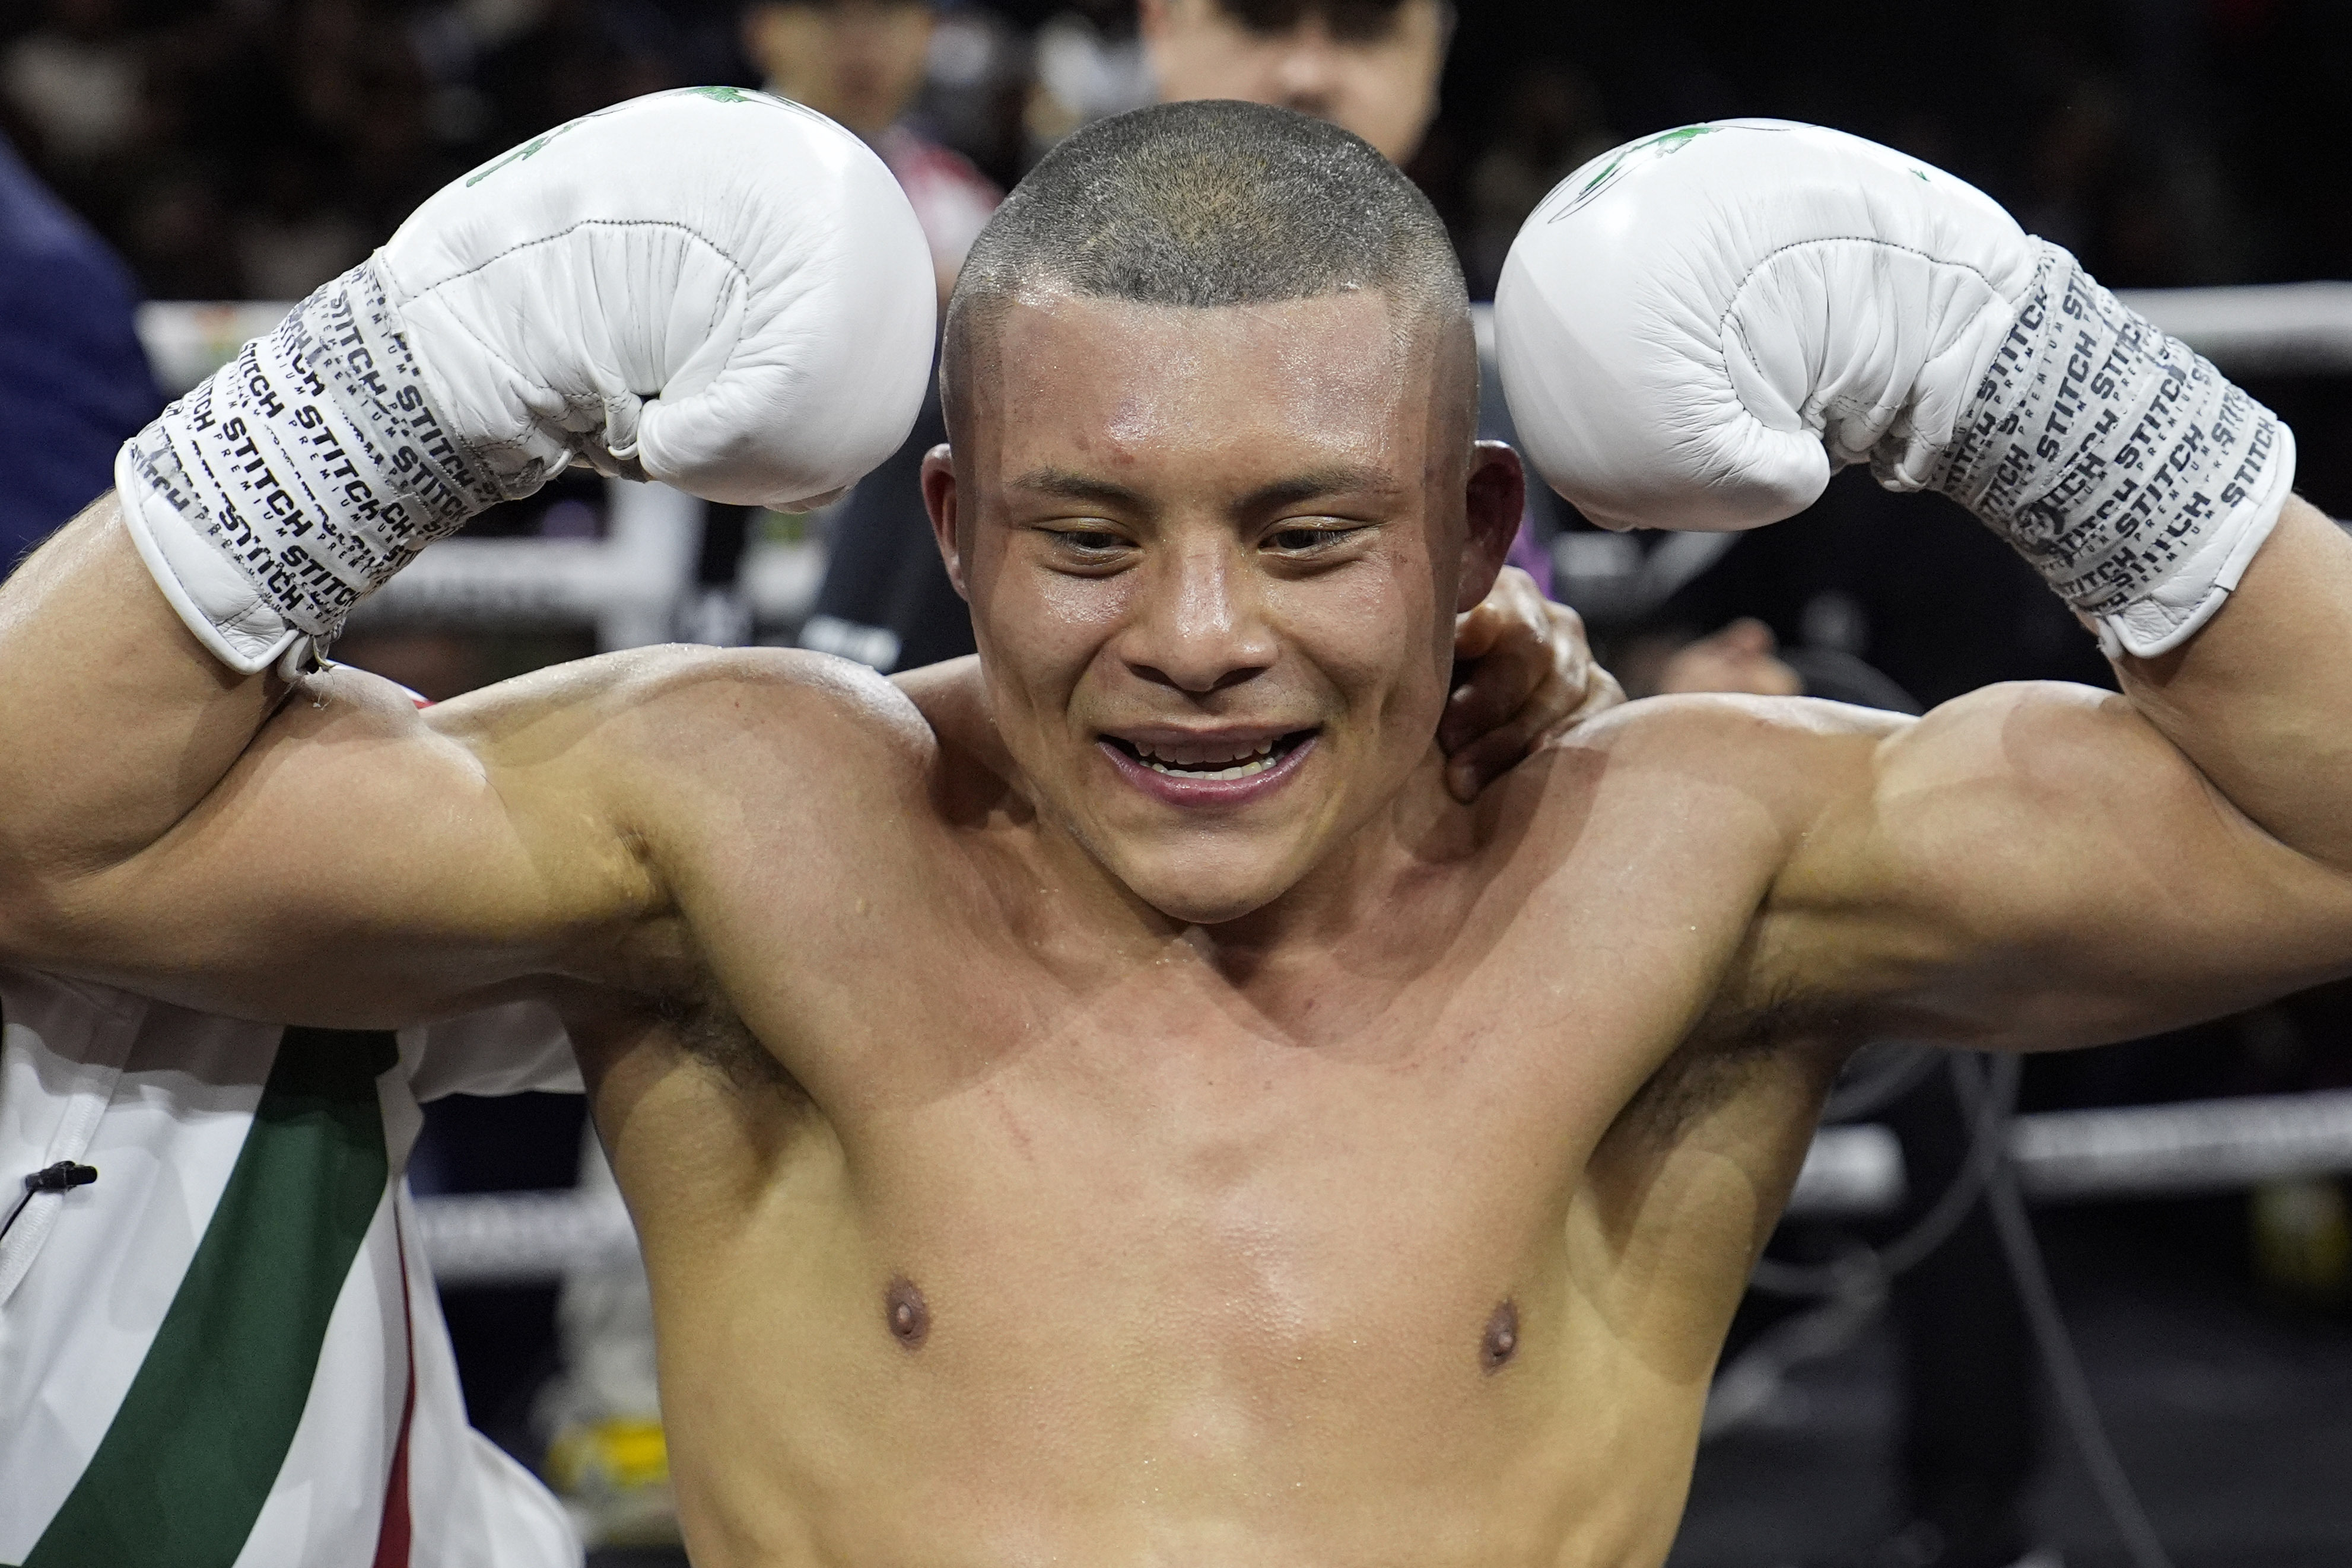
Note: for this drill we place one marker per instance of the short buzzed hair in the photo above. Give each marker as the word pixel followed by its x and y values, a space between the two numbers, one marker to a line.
pixel 1205 204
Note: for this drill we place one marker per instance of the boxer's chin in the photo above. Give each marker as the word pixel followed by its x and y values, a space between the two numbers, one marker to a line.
pixel 1207 886
pixel 1206 873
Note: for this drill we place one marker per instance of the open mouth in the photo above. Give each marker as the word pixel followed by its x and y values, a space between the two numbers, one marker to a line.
pixel 1214 762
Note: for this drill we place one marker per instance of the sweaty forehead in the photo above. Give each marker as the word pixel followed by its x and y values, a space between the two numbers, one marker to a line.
pixel 1118 380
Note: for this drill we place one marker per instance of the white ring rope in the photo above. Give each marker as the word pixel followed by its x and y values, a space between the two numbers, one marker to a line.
pixel 521 1237
pixel 2137 1151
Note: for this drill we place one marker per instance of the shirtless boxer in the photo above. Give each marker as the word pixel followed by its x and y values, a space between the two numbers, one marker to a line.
pixel 1134 1136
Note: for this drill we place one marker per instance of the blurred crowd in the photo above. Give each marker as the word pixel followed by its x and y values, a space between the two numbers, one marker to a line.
pixel 252 148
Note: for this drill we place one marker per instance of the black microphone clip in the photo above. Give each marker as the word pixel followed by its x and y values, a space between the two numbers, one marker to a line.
pixel 61 1177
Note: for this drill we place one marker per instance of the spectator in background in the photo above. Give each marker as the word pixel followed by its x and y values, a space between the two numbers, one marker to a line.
pixel 573 58
pixel 1550 122
pixel 74 383
pixel 862 62
pixel 886 601
pixel 76 81
pixel 1369 66
pixel 1090 64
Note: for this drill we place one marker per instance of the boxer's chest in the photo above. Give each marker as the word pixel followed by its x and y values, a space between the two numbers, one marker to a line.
pixel 1362 1134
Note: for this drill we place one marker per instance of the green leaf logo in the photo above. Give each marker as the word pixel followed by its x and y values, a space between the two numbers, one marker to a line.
pixel 518 154
pixel 1579 189
pixel 532 147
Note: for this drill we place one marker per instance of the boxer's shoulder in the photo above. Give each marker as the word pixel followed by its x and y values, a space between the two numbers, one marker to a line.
pixel 1678 815
pixel 685 708
pixel 1786 755
pixel 681 746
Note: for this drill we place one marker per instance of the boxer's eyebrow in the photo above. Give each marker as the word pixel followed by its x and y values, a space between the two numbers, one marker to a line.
pixel 1063 485
pixel 1340 479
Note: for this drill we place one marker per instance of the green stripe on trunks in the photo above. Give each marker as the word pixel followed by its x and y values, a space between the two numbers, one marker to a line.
pixel 182 1471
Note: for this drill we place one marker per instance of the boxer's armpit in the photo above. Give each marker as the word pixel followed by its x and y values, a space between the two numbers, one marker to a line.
pixel 708 1029
pixel 1729 1052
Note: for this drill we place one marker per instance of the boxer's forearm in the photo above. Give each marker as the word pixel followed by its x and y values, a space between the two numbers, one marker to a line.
pixel 2261 699
pixel 117 720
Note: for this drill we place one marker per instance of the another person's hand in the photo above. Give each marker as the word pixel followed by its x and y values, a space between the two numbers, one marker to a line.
pixel 1528 675
pixel 1742 657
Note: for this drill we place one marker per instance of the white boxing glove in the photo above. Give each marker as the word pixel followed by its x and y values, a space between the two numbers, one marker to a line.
pixel 1697 328
pixel 710 288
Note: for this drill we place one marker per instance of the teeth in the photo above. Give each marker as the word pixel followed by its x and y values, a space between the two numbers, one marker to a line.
pixel 1240 762
pixel 1239 770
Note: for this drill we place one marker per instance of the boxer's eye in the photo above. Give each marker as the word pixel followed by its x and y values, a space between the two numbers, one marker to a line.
pixel 1085 549
pixel 1305 540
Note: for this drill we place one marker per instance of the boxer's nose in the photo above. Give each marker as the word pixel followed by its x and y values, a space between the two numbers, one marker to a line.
pixel 1200 627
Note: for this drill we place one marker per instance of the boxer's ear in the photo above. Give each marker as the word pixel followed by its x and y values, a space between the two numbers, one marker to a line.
pixel 939 500
pixel 1496 494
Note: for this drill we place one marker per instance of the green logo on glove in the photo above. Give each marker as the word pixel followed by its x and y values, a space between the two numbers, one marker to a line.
pixel 531 147
pixel 528 149
pixel 1615 167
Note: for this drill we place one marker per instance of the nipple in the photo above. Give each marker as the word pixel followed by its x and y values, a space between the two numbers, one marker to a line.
pixel 1502 1340
pixel 909 1316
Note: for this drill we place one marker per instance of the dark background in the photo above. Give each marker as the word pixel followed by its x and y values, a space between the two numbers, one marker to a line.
pixel 2166 142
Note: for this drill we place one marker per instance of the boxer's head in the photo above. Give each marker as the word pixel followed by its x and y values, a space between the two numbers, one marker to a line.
pixel 1213 497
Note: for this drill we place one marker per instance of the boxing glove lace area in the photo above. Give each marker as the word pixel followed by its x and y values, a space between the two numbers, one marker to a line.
pixel 710 288
pixel 1697 328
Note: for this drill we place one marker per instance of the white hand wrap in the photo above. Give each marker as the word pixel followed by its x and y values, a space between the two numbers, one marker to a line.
pixel 2118 461
pixel 300 478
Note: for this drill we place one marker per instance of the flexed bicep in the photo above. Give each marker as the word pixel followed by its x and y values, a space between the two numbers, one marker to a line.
pixel 2037 866
pixel 364 863
pixel 1717 319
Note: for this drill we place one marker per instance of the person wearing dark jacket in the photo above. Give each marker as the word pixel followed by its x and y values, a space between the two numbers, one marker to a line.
pixel 74 382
